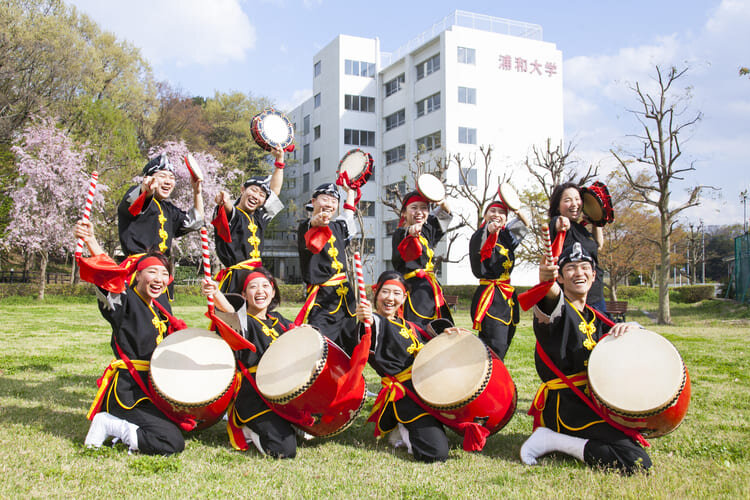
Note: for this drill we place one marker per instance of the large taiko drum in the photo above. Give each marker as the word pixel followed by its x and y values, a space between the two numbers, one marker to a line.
pixel 640 381
pixel 456 374
pixel 300 371
pixel 193 375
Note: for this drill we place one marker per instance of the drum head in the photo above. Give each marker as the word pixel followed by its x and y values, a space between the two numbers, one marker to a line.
pixel 509 196
pixel 194 167
pixel 592 207
pixel 356 163
pixel 638 372
pixel 451 368
pixel 431 188
pixel 273 129
pixel 192 367
pixel 291 363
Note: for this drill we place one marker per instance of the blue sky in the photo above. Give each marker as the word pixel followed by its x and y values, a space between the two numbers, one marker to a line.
pixel 266 47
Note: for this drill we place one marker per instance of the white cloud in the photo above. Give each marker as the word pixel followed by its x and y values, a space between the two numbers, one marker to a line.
pixel 181 32
pixel 310 4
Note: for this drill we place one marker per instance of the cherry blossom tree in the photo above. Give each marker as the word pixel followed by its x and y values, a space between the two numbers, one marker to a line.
pixel 48 194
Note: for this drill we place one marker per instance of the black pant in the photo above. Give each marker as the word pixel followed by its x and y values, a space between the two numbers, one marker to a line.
pixel 497 336
pixel 157 435
pixel 623 454
pixel 276 435
pixel 428 440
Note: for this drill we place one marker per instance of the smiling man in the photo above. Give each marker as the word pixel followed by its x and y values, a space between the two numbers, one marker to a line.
pixel 147 220
pixel 322 242
pixel 239 225
pixel 567 330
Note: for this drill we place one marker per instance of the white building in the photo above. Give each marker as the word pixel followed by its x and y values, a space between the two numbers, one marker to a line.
pixel 470 80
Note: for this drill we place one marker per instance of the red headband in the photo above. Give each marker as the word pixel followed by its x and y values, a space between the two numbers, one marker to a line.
pixel 414 198
pixel 391 282
pixel 252 276
pixel 497 203
pixel 148 262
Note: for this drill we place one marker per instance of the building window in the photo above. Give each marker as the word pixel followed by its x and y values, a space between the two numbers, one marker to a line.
pixel 428 105
pixel 395 120
pixel 359 137
pixel 368 246
pixel 359 68
pixel 467 95
pixel 390 227
pixel 316 69
pixel 428 67
pixel 393 86
pixel 316 165
pixel 306 182
pixel 316 132
pixel 306 153
pixel 395 190
pixel 367 208
pixel 290 183
pixel 395 155
pixel 359 103
pixel 429 142
pixel 306 125
pixel 467 55
pixel 467 135
pixel 316 100
pixel 469 177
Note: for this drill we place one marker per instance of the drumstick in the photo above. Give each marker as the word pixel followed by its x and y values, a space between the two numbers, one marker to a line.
pixel 547 243
pixel 87 208
pixel 206 264
pixel 360 281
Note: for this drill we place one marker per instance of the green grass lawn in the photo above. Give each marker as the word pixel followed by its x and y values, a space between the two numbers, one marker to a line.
pixel 51 355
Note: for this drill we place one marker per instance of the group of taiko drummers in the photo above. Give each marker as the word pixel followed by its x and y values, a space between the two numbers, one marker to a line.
pixel 278 379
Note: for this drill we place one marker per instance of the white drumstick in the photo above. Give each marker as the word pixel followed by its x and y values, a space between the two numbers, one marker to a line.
pixel 547 243
pixel 360 280
pixel 87 208
pixel 206 264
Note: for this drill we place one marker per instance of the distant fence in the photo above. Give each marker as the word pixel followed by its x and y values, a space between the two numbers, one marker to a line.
pixel 742 268
pixel 26 277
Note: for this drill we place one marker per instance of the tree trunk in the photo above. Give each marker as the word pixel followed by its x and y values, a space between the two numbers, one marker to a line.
pixel 44 258
pixel 664 316
pixel 613 289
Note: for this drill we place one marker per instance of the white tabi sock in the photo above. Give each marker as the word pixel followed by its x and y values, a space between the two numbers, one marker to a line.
pixel 405 437
pixel 544 441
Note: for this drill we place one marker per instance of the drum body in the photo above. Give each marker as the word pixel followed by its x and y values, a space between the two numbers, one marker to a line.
pixel 597 204
pixel 357 165
pixel 271 129
pixel 456 374
pixel 192 374
pixel 640 381
pixel 300 371
pixel 509 196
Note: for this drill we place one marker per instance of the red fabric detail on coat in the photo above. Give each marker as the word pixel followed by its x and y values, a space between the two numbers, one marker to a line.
pixel 317 237
pixel 489 245
pixel 410 248
pixel 221 223
pixel 137 205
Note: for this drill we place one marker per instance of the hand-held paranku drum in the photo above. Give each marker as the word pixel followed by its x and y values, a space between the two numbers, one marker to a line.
pixel 640 381
pixel 357 165
pixel 196 172
pixel 300 370
pixel 509 196
pixel 456 374
pixel 192 373
pixel 597 204
pixel 271 129
pixel 431 188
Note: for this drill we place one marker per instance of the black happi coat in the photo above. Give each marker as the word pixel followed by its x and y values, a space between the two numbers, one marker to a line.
pixel 420 305
pixel 498 266
pixel 392 352
pixel 135 332
pixel 579 233
pixel 317 268
pixel 262 333
pixel 246 243
pixel 143 232
pixel 559 334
